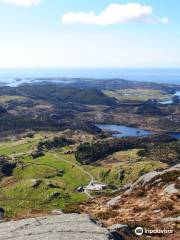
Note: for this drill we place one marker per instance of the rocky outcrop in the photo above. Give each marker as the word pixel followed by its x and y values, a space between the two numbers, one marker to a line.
pixel 147 181
pixel 55 227
pixel 157 178
pixel 151 201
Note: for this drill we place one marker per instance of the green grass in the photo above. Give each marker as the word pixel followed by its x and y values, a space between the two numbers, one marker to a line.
pixel 23 197
pixel 34 171
pixel 6 98
pixel 20 197
pixel 15 149
pixel 73 176
pixel 137 94
pixel 20 146
pixel 126 155
pixel 133 170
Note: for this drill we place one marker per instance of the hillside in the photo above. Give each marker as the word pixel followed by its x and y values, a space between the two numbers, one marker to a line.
pixel 54 157
pixel 92 152
pixel 114 84
pixel 56 92
pixel 150 202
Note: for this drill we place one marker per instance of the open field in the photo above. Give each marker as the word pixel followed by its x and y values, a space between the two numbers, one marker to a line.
pixel 50 182
pixel 137 94
pixel 35 184
pixel 6 98
pixel 19 146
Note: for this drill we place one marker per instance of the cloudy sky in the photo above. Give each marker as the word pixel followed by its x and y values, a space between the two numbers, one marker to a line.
pixel 89 33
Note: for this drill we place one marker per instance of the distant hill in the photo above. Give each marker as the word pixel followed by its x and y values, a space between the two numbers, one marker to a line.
pixel 55 93
pixel 114 84
pixel 87 153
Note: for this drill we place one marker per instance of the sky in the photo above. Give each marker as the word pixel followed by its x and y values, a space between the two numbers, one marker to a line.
pixel 89 33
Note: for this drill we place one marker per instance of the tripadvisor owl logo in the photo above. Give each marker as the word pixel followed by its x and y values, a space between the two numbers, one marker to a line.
pixel 139 231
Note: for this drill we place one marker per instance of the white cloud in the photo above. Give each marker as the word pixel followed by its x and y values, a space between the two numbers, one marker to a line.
pixel 25 3
pixel 165 20
pixel 115 13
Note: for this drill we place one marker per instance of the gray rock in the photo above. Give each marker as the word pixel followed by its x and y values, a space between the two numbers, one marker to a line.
pixel 117 226
pixel 57 212
pixel 58 227
pixel 171 189
pixel 176 167
pixel 35 183
pixel 143 180
pixel 126 187
pixel 152 177
pixel 120 230
pixel 114 201
pixel 170 219
pixel 149 177
pixel 157 211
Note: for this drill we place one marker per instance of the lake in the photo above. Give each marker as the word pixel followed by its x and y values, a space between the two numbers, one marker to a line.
pixel 176 135
pixel 170 100
pixel 124 131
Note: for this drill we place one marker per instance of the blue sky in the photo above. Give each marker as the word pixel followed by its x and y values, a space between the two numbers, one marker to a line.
pixel 42 33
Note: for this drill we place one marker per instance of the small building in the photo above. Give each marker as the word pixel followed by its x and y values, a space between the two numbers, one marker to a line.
pixel 80 189
pixel 96 187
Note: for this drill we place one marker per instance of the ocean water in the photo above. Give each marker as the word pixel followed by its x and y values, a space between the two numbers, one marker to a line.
pixel 10 76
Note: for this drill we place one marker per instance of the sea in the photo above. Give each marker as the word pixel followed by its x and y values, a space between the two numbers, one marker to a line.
pixel 14 77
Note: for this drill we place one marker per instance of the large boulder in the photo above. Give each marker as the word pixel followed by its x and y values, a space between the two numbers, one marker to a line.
pixel 61 227
pixel 156 178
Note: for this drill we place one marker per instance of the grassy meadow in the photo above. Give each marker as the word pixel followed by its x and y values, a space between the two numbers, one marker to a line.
pixel 39 185
pixel 137 94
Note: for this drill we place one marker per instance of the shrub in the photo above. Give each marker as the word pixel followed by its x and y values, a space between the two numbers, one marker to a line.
pixel 106 215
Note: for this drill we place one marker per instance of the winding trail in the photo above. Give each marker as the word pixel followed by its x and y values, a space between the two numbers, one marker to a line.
pixel 82 170
pixel 69 162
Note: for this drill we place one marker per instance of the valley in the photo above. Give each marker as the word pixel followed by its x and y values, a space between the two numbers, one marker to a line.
pixel 73 147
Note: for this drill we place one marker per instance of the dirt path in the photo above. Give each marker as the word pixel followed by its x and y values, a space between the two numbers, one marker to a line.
pixel 69 162
pixel 82 170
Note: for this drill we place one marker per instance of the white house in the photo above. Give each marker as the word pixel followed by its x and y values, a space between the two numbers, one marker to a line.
pixel 96 187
